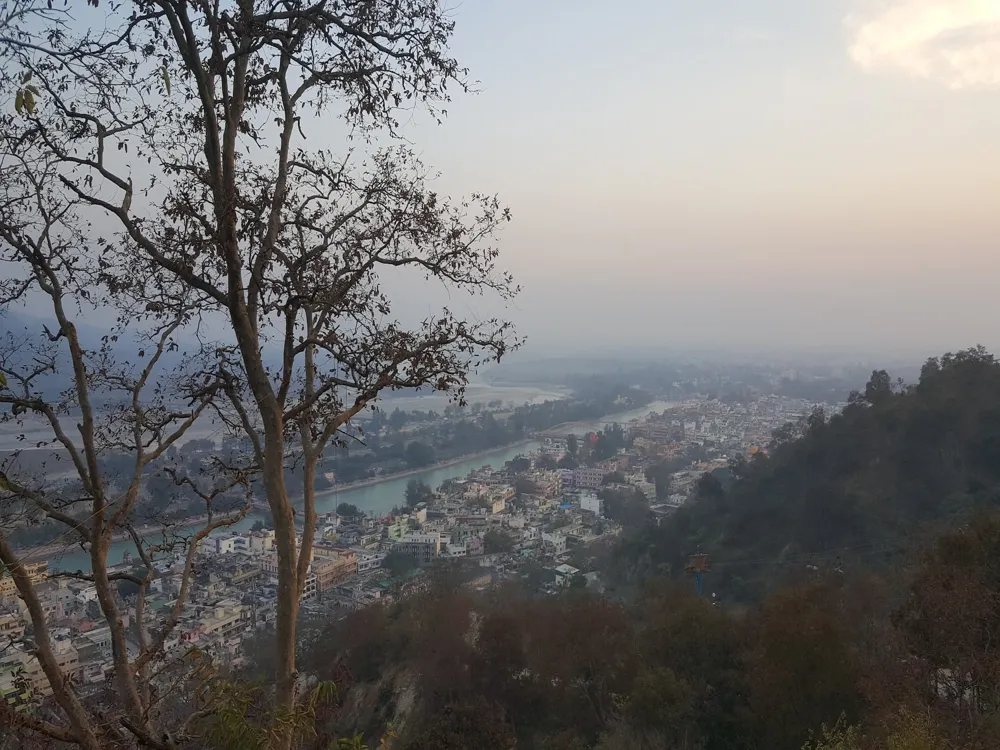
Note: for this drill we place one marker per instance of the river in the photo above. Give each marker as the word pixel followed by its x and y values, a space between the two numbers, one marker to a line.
pixel 377 498
pixel 622 418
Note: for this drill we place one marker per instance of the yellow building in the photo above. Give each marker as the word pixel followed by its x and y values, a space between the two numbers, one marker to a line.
pixel 37 572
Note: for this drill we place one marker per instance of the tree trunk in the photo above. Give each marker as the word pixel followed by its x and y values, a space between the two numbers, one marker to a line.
pixel 62 693
pixel 119 649
pixel 288 584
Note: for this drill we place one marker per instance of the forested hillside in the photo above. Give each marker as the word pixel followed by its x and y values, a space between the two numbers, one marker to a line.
pixel 833 662
pixel 854 491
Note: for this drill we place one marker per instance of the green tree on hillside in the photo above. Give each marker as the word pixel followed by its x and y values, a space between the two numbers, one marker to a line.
pixel 418 492
pixel 497 541
pixel 347 510
pixel 572 445
pixel 870 475
pixel 419 453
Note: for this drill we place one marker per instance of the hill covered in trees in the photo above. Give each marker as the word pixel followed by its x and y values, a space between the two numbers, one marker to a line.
pixel 861 625
pixel 854 490
pixel 835 661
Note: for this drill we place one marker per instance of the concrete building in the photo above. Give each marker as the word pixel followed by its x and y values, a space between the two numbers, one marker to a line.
pixel 37 572
pixel 261 542
pixel 564 574
pixel 424 547
pixel 28 672
pixel 589 477
pixel 555 542
pixel 226 545
pixel 11 627
pixel 591 502
pixel 368 560
pixel 333 569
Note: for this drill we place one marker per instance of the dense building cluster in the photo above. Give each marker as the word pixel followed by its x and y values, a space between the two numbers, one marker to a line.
pixel 539 508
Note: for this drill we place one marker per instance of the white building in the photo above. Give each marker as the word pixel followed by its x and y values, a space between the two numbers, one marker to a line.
pixel 564 574
pixel 590 501
pixel 261 542
pixel 555 542
pixel 368 560
pixel 225 545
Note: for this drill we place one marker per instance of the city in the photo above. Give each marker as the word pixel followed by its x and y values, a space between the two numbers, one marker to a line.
pixel 533 511
pixel 428 375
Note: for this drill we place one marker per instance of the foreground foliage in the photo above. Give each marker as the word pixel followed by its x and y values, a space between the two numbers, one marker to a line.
pixel 877 666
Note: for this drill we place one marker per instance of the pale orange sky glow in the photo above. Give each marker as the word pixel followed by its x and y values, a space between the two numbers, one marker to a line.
pixel 677 163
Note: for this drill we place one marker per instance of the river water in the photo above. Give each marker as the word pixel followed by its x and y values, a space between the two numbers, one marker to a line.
pixel 376 498
pixel 622 418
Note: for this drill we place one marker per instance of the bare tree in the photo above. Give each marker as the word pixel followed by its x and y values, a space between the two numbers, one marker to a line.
pixel 119 408
pixel 185 123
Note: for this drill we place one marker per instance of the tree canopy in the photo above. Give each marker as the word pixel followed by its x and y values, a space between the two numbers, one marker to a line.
pixel 418 492
pixel 158 161
pixel 855 487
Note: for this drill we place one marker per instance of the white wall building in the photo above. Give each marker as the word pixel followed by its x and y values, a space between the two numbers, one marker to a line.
pixel 564 574
pixel 225 545
pixel 368 560
pixel 555 542
pixel 590 501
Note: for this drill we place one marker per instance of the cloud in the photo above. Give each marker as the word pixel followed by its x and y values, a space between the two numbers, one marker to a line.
pixel 953 42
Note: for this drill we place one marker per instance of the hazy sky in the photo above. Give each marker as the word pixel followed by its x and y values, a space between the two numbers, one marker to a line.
pixel 731 173
pixel 763 172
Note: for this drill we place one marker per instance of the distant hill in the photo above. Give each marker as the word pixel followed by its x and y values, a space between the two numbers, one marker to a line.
pixel 22 326
pixel 126 350
pixel 855 491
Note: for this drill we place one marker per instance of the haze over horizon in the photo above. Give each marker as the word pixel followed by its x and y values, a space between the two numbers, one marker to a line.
pixel 768 176
pixel 772 174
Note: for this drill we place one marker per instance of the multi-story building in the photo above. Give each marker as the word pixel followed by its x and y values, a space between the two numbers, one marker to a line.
pixel 310 589
pixel 474 546
pixel 424 547
pixel 224 618
pixel 590 501
pixel 26 667
pixel 648 489
pixel 11 627
pixel 334 569
pixel 226 545
pixel 100 639
pixel 546 483
pixel 261 542
pixel 554 543
pixel 564 574
pixel 589 477
pixel 37 572
pixel 369 560
pixel 399 527
pixel 15 689
pixel 619 463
